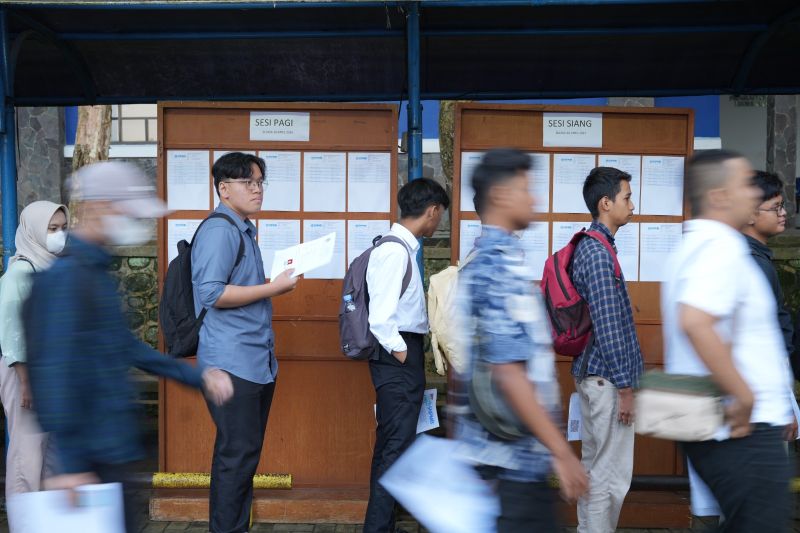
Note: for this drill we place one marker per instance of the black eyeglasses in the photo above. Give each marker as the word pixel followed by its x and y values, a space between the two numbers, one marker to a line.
pixel 776 209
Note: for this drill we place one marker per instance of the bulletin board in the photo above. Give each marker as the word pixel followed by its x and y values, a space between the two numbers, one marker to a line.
pixel 566 142
pixel 329 168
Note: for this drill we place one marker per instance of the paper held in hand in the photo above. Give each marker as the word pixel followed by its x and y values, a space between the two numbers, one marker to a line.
pixel 304 257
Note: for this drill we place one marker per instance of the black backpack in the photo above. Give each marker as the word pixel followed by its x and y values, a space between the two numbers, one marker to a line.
pixel 176 314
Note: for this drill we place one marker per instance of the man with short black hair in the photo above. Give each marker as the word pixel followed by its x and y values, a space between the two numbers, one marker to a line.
pixel 610 366
pixel 236 335
pixel 720 321
pixel 398 321
pixel 505 329
pixel 767 221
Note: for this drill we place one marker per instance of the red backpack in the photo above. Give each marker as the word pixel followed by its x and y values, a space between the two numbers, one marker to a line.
pixel 569 313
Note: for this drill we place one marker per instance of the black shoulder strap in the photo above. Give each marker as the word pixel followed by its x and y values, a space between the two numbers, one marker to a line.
pixel 391 238
pixel 23 258
pixel 240 253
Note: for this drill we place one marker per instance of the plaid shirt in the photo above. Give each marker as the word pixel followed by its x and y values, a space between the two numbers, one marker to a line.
pixel 503 320
pixel 615 353
pixel 79 353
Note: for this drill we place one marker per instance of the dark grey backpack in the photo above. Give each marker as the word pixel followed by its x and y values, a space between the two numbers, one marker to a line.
pixel 357 340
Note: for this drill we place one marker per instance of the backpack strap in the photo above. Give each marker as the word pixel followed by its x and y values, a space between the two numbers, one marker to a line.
pixel 599 237
pixel 240 253
pixel 23 258
pixel 380 239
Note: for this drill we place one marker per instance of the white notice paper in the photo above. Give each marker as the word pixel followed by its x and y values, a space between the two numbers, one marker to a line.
pixel 178 230
pixel 188 179
pixel 314 229
pixel 539 176
pixel 368 182
pixel 441 489
pixel 662 185
pixel 100 509
pixel 564 231
pixel 535 241
pixel 569 173
pixel 658 241
pixel 632 164
pixel 274 235
pixel 360 234
pixel 279 126
pixel 470 230
pixel 428 417
pixel 573 129
pixel 311 255
pixel 324 175
pixel 282 192
pixel 469 160
pixel 575 419
pixel 627 242
pixel 217 155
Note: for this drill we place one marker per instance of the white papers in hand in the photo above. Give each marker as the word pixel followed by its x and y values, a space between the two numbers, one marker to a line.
pixel 274 235
pixel 304 257
pixel 99 510
pixel 314 229
pixel 441 489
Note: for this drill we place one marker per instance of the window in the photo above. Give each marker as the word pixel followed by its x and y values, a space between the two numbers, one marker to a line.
pixel 134 123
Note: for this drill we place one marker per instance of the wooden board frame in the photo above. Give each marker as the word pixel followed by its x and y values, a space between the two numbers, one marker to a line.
pixel 305 321
pixel 626 131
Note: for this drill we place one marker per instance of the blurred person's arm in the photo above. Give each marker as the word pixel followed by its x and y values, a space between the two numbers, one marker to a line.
pixel 215 383
pixel 717 357
pixel 520 394
pixel 213 261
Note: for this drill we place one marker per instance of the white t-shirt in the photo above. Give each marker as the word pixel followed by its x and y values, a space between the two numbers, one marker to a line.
pixel 713 271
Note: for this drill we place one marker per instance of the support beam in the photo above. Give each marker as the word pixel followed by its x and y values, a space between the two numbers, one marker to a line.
pixel 8 178
pixel 414 106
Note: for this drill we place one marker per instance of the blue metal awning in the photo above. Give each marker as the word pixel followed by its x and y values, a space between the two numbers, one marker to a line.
pixel 67 53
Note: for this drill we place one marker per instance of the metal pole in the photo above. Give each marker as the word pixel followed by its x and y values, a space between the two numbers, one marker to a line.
pixel 9 155
pixel 414 108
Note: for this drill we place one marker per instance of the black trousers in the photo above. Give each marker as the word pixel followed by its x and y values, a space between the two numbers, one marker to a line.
pixel 526 507
pixel 120 473
pixel 399 388
pixel 749 477
pixel 241 424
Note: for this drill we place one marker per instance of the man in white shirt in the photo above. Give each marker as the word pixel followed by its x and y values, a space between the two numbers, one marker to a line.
pixel 720 319
pixel 399 322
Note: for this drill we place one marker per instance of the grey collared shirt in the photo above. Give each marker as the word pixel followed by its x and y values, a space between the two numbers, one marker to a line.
pixel 238 340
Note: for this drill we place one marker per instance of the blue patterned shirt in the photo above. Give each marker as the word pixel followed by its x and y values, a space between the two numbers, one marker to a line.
pixel 615 354
pixel 504 322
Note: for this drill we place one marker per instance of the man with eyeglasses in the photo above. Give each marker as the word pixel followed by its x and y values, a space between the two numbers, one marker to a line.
pixel 769 220
pixel 236 335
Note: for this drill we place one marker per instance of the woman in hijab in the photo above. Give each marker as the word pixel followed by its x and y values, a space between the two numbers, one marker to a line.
pixel 40 237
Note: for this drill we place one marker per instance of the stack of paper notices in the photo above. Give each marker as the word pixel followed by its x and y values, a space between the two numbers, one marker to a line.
pixel 97 509
pixel 305 256
pixel 442 490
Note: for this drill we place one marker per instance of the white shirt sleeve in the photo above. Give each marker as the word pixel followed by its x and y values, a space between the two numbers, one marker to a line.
pixel 385 271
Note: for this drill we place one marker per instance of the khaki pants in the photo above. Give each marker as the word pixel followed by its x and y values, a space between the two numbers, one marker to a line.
pixel 607 456
pixel 27 443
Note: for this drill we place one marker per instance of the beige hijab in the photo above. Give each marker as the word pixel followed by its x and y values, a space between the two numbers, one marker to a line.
pixel 31 238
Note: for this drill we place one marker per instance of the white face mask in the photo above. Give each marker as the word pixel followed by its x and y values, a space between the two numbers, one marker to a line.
pixel 56 241
pixel 123 230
